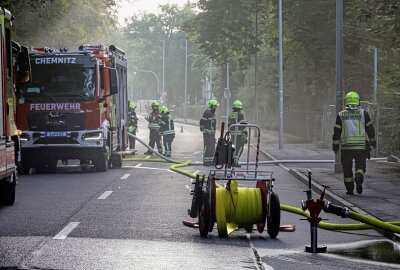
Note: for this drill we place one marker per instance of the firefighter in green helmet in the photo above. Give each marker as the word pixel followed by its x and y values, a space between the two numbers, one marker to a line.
pixel 353 135
pixel 167 130
pixel 208 125
pixel 154 119
pixel 239 134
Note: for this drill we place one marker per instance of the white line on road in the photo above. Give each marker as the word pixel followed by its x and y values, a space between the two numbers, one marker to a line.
pixel 67 230
pixel 105 195
pixel 259 264
pixel 125 176
pixel 187 187
pixel 138 165
pixel 196 153
pixel 151 168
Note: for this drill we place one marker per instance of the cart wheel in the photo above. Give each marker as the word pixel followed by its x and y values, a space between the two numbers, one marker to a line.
pixel 196 200
pixel 274 217
pixel 212 210
pixel 204 215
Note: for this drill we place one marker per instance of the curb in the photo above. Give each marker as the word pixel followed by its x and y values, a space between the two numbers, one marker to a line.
pixel 317 188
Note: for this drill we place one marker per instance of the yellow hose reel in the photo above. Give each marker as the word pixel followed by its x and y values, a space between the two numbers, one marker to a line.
pixel 232 207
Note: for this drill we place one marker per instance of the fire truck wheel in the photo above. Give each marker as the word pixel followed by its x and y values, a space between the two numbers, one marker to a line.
pixel 101 163
pixel 274 217
pixel 7 191
pixel 51 166
pixel 116 161
pixel 24 168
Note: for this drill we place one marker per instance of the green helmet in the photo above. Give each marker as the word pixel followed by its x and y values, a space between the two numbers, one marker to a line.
pixel 164 109
pixel 155 104
pixel 212 103
pixel 132 106
pixel 237 104
pixel 352 98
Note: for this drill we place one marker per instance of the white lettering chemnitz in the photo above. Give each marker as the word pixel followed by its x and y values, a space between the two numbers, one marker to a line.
pixel 55 60
pixel 55 106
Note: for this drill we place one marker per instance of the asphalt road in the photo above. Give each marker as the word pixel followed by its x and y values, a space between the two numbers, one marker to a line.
pixel 131 218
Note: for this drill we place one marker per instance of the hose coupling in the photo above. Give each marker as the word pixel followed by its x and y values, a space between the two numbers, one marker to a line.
pixel 303 205
pixel 336 210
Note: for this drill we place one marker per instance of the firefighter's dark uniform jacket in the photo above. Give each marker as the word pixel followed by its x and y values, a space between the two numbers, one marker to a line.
pixel 353 128
pixel 208 126
pixel 154 119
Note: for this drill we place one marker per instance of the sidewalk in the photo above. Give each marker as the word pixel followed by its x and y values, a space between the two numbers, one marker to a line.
pixel 380 197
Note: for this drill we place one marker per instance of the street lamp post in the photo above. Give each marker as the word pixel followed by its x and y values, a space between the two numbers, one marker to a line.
pixel 155 75
pixel 163 65
pixel 186 74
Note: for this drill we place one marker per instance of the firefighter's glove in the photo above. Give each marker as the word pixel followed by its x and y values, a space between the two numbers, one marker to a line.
pixel 372 144
pixel 335 147
pixel 130 129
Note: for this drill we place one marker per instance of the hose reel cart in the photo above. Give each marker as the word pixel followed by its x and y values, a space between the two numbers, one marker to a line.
pixel 232 207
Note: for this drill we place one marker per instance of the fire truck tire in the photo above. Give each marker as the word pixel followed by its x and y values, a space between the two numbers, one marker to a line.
pixel 101 163
pixel 116 160
pixel 274 217
pixel 24 168
pixel 51 166
pixel 7 191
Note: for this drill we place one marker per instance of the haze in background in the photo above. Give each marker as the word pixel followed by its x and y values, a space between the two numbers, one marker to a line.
pixel 129 7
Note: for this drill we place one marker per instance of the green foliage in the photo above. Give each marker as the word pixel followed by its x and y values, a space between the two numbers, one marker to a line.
pixel 62 23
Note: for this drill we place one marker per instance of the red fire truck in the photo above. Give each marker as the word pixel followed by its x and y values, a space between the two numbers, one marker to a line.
pixel 9 142
pixel 73 106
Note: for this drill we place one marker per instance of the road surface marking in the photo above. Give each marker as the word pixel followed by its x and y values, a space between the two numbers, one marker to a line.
pixel 198 152
pixel 125 176
pixel 138 165
pixel 259 264
pixel 148 157
pixel 67 230
pixel 151 168
pixel 105 195
pixel 187 187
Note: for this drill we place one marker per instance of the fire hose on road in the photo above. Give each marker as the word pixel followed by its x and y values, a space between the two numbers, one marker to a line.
pixel 367 222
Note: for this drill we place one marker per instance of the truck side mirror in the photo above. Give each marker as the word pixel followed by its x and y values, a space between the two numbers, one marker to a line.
pixel 113 81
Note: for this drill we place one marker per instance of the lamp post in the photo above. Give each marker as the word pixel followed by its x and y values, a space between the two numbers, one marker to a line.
pixel 339 72
pixel 155 75
pixel 186 74
pixel 280 77
pixel 163 65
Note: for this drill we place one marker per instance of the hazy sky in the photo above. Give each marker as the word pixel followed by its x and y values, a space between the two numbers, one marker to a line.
pixel 130 7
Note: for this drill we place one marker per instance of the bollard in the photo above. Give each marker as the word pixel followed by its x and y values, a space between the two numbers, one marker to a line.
pixel 181 129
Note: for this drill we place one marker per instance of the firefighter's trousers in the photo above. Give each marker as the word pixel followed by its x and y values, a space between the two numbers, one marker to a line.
pixel 347 157
pixel 167 141
pixel 209 148
pixel 132 141
pixel 239 145
pixel 155 138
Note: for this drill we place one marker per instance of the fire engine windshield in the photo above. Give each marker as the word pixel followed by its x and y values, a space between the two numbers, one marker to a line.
pixel 60 83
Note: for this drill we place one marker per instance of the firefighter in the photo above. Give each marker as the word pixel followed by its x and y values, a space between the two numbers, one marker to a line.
pixel 167 130
pixel 352 128
pixel 154 125
pixel 208 126
pixel 133 124
pixel 239 134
